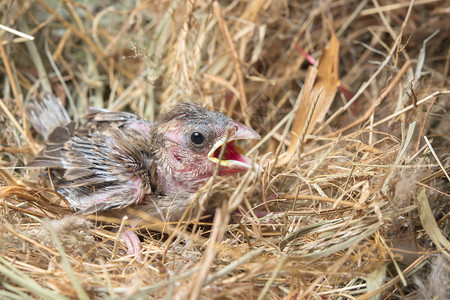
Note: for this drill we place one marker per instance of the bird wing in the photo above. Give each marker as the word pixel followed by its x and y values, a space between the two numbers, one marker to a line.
pixel 109 162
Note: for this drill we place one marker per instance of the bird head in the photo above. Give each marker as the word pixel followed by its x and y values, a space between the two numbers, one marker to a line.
pixel 194 138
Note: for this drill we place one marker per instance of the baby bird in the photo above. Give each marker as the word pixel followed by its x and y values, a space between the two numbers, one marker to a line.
pixel 117 160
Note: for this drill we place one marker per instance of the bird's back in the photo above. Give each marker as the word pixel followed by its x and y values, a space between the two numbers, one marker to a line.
pixel 108 162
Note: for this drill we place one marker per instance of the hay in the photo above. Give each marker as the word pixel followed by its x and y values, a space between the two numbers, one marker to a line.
pixel 352 199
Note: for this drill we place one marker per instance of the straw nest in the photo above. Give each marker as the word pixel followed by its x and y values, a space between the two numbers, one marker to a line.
pixel 350 97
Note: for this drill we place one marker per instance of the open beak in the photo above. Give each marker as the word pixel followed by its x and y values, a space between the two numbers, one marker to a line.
pixel 233 158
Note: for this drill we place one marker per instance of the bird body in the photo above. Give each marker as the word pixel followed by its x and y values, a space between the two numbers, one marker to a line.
pixel 116 160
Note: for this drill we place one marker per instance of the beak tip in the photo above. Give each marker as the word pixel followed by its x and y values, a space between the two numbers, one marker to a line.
pixel 245 132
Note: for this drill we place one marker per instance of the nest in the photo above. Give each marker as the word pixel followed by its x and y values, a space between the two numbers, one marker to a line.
pixel 350 97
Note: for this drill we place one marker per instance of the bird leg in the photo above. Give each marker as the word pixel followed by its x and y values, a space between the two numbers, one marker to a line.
pixel 133 243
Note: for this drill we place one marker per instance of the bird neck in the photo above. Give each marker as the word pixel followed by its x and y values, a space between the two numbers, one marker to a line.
pixel 179 184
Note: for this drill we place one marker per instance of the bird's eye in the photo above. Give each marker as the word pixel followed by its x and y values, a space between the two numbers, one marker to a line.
pixel 197 138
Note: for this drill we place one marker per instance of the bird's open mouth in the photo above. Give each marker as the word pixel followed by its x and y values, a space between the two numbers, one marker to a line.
pixel 233 158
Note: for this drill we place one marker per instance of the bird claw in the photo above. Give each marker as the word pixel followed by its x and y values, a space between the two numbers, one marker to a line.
pixel 133 243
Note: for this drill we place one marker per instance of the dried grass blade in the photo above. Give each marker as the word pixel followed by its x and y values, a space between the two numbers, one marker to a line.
pixel 26 282
pixel 404 146
pixel 236 62
pixel 376 279
pixel 411 269
pixel 233 265
pixel 145 291
pixel 5 109
pixel 117 239
pixel 320 87
pixel 304 230
pixel 436 158
pixel 272 278
pixel 62 82
pixel 409 107
pixel 65 263
pixel 36 58
pixel 396 266
pixel 430 225
pixel 301 116
pixel 327 79
pixel 347 244
pixel 18 294
pixel 16 32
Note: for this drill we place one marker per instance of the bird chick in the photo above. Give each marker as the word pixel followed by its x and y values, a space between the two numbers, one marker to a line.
pixel 117 160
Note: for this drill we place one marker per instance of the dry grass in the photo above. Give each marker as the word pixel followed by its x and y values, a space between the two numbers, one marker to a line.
pixel 353 199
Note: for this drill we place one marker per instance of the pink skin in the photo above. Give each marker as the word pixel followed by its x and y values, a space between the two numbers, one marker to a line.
pixel 191 174
pixel 185 171
pixel 193 169
pixel 133 243
pixel 134 188
pixel 182 164
pixel 140 126
pixel 130 238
